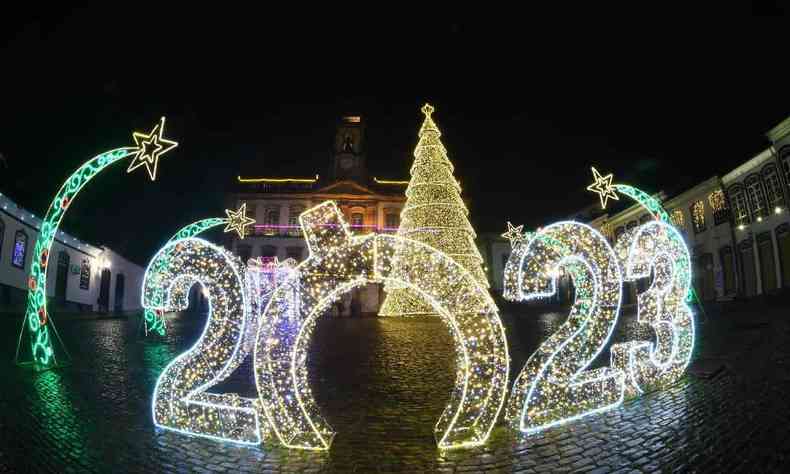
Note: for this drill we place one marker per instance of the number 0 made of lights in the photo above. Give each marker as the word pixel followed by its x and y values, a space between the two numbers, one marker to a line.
pixel 338 263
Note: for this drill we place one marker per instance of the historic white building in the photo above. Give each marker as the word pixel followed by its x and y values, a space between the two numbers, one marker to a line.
pixel 369 204
pixel 737 227
pixel 81 277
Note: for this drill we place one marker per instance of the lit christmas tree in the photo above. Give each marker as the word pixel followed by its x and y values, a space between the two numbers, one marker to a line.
pixel 435 215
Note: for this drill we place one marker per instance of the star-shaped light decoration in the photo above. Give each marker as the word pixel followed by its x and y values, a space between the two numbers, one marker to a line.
pixel 514 234
pixel 603 186
pixel 150 148
pixel 238 220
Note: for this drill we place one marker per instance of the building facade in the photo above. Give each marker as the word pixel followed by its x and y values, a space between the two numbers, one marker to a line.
pixel 368 203
pixel 737 227
pixel 81 277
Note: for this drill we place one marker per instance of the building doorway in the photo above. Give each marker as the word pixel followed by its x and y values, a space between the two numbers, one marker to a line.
pixel 767 263
pixel 104 291
pixel 728 270
pixel 704 277
pixel 62 277
pixel 748 273
pixel 120 280
pixel 783 243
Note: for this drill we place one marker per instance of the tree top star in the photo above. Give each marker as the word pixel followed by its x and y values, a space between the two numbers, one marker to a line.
pixel 150 148
pixel 238 220
pixel 514 234
pixel 603 186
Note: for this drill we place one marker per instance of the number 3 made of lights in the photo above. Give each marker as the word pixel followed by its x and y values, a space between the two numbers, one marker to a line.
pixel 555 386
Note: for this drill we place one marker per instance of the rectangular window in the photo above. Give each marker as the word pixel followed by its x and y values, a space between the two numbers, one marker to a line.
pixel 676 216
pixel 294 253
pixel 698 216
pixel 293 221
pixel 271 221
pixel 85 274
pixel 20 249
pixel 391 222
pixel 721 213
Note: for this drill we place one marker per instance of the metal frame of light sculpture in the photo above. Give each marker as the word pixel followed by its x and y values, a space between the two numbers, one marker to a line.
pixel 180 402
pixel 657 246
pixel 554 386
pixel 36 316
pixel 154 320
pixel 339 262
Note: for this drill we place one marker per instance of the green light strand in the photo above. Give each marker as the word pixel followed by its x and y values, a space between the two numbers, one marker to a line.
pixel 36 313
pixel 153 323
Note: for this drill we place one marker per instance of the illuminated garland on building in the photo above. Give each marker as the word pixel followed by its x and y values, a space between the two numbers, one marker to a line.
pixel 435 215
pixel 149 149
pixel 555 386
pixel 339 262
pixel 180 401
pixel 154 320
pixel 657 246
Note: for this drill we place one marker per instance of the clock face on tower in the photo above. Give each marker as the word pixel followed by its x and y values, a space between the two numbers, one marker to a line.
pixel 346 162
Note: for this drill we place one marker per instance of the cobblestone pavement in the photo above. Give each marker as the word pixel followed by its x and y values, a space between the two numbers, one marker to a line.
pixel 382 383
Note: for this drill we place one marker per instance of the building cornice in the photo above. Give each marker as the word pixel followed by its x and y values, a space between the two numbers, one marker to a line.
pixel 780 131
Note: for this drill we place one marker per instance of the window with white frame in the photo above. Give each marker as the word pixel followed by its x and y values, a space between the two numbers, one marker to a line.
pixel 740 205
pixel 754 187
pixel 773 187
pixel 293 220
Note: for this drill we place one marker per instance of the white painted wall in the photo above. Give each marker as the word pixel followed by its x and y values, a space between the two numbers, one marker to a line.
pixel 16 218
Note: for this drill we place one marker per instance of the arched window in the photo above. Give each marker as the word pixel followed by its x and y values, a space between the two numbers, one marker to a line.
pixel 293 220
pixel 357 219
pixel 697 210
pixel 2 235
pixel 773 187
pixel 271 220
pixel 785 154
pixel 740 205
pixel 20 249
pixel 754 188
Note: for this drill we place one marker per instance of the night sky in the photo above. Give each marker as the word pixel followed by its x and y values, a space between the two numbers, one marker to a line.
pixel 525 105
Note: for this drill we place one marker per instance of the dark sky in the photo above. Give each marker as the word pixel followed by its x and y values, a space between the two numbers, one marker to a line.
pixel 526 103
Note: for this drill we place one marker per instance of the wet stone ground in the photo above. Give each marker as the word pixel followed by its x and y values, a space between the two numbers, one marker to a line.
pixel 382 383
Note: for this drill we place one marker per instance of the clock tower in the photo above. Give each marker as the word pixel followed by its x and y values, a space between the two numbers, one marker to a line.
pixel 349 157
